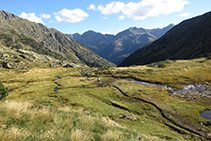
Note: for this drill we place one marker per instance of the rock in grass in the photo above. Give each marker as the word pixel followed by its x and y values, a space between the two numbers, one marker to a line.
pixel 6 65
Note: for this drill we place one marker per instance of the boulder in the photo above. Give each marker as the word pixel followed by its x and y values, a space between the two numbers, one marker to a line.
pixel 154 65
pixel 127 116
pixel 6 65
pixel 68 66
pixel 53 65
pixel 4 55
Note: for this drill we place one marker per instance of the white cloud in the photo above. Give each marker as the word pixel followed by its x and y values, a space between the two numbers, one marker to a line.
pixel 91 7
pixel 183 14
pixel 121 17
pixel 143 9
pixel 105 18
pixel 71 16
pixel 45 16
pixel 31 17
pixel 107 33
pixel 111 8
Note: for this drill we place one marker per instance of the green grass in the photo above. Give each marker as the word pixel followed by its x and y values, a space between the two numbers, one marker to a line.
pixel 20 122
pixel 174 74
pixel 83 109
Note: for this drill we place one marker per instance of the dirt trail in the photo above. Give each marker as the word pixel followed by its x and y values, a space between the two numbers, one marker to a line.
pixel 196 132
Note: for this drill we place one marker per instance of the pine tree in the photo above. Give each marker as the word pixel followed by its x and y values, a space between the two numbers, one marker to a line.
pixel 3 91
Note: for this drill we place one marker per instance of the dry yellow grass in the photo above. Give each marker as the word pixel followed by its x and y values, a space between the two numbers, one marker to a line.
pixel 112 136
pixel 79 135
pixel 20 121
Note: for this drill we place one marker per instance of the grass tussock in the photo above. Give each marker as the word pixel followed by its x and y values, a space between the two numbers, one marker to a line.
pixel 19 121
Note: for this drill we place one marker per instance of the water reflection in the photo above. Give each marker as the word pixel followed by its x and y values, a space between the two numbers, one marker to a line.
pixel 206 115
pixel 56 89
pixel 151 84
pixel 200 88
pixel 10 91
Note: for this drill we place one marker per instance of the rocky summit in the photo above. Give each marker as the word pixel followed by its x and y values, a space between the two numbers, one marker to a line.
pixel 23 42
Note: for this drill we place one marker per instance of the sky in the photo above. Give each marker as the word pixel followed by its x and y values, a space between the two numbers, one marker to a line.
pixel 105 16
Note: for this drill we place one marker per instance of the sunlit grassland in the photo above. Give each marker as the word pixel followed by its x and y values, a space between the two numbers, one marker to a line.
pixel 84 109
pixel 69 81
pixel 20 121
pixel 174 74
pixel 186 111
pixel 38 87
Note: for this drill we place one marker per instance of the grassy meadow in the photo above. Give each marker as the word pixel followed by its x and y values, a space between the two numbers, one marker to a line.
pixel 114 109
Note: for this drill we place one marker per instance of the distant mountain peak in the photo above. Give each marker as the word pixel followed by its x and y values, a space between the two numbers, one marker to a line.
pixel 187 40
pixel 116 48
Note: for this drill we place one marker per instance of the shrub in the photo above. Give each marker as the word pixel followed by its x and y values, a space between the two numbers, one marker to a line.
pixel 3 91
pixel 103 68
pixel 209 57
pixel 161 64
pixel 150 70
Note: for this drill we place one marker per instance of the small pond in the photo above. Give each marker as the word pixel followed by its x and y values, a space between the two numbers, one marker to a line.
pixel 57 78
pixel 10 91
pixel 206 114
pixel 102 85
pixel 56 89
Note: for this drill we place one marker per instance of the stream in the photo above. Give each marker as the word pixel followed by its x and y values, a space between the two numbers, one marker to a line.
pixel 18 88
pixel 201 90
pixel 56 88
pixel 151 84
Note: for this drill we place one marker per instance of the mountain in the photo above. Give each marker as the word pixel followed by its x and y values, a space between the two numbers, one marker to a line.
pixel 117 48
pixel 187 40
pixel 95 41
pixel 17 33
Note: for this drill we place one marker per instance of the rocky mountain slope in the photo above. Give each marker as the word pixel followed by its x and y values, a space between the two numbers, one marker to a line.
pixel 117 48
pixel 17 33
pixel 189 39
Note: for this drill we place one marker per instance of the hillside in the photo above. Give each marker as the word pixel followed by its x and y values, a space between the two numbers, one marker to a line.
pixel 117 48
pixel 189 39
pixel 17 33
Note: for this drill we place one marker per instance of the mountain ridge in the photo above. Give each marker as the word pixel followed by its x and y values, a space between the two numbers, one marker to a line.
pixel 188 40
pixel 116 48
pixel 24 34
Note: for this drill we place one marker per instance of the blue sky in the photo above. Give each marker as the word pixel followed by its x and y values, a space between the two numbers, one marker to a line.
pixel 110 16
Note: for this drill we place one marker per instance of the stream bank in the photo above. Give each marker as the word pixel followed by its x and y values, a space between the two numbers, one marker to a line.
pixel 203 89
pixel 189 92
pixel 165 117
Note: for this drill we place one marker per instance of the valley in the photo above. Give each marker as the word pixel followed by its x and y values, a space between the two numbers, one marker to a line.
pixel 55 88
pixel 117 108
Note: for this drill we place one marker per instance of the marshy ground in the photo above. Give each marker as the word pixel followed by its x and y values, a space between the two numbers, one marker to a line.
pixel 81 108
